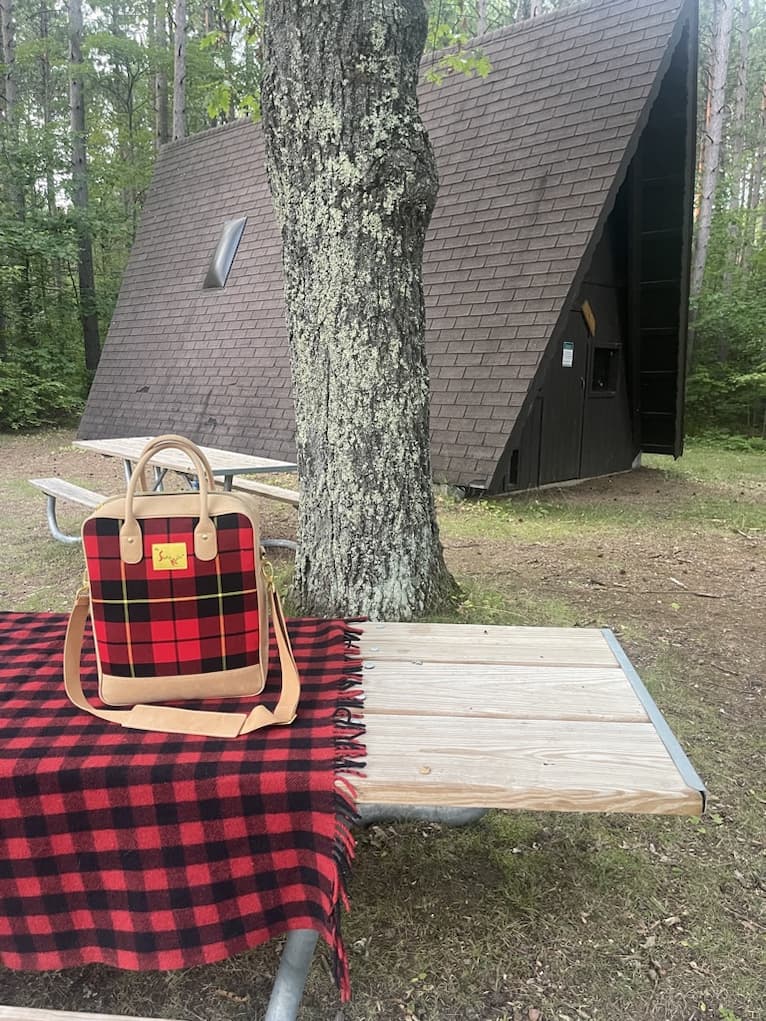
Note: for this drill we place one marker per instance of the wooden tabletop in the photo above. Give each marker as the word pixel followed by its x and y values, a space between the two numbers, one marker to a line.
pixel 222 462
pixel 551 719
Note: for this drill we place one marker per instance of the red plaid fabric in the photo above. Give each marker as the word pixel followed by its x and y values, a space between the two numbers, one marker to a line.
pixel 145 850
pixel 155 622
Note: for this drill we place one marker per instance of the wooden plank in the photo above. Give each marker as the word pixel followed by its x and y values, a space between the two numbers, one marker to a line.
pixel 546 765
pixel 475 643
pixel 64 490
pixel 26 1014
pixel 500 691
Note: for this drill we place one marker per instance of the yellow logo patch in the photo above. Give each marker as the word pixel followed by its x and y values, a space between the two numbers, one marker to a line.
pixel 169 556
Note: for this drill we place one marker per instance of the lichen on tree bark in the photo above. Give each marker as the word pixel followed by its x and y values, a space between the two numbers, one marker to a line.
pixel 353 179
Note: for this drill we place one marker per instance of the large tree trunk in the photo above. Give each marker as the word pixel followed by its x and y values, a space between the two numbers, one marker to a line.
pixel 354 181
pixel 179 72
pixel 87 287
pixel 711 145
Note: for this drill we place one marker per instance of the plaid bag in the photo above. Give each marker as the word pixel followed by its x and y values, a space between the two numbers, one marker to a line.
pixel 179 601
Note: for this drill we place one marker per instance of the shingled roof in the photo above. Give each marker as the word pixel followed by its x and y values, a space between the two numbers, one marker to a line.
pixel 530 161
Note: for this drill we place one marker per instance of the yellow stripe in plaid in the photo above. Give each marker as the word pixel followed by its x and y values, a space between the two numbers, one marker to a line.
pixel 221 618
pixel 176 599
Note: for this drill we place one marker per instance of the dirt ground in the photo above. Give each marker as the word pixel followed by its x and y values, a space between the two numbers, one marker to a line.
pixel 568 918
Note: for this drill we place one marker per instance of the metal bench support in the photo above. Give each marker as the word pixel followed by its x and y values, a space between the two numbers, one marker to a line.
pixel 50 510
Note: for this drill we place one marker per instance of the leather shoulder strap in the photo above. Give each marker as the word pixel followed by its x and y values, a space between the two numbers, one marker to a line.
pixel 186 721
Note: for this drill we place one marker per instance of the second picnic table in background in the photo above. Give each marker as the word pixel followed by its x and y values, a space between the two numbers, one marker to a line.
pixel 223 463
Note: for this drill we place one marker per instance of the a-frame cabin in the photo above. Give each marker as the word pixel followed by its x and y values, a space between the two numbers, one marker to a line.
pixel 556 264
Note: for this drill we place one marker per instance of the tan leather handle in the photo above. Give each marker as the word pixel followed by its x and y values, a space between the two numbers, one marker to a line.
pixel 205 539
pixel 180 442
pixel 186 721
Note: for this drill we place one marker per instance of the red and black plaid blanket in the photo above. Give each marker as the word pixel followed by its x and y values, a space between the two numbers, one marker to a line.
pixel 145 850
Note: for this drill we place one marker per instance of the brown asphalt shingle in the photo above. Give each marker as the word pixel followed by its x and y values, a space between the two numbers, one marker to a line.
pixel 527 158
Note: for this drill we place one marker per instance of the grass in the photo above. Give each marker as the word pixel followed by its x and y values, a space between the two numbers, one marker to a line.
pixel 712 462
pixel 564 512
pixel 530 915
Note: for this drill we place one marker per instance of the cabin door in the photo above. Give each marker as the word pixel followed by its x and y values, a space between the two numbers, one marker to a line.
pixel 564 403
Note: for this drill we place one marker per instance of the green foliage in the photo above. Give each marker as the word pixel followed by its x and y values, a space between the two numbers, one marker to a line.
pixel 442 36
pixel 727 385
pixel 28 400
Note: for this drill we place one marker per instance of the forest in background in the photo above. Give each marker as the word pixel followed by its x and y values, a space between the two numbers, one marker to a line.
pixel 88 95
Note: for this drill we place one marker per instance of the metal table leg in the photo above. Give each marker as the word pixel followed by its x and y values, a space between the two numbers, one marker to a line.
pixel 299 949
pixel 291 978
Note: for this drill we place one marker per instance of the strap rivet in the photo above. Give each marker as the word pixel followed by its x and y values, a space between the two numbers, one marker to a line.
pixel 205 536
pixel 130 538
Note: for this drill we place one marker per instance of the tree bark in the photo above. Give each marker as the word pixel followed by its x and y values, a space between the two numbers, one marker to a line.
pixel 10 138
pixel 45 83
pixel 481 17
pixel 711 148
pixel 354 181
pixel 754 192
pixel 179 72
pixel 9 60
pixel 87 287
pixel 736 133
pixel 161 104
pixel 7 126
pixel 737 126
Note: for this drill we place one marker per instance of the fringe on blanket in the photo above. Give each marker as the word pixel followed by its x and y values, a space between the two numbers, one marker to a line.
pixel 349 762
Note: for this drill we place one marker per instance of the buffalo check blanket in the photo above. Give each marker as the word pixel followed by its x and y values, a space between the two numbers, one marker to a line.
pixel 145 850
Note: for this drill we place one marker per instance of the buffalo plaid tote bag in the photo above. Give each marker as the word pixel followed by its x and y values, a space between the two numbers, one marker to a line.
pixel 179 600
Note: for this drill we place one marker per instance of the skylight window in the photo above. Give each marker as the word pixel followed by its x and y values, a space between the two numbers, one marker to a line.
pixel 223 256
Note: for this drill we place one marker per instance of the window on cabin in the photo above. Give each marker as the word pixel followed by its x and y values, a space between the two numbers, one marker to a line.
pixel 223 257
pixel 605 370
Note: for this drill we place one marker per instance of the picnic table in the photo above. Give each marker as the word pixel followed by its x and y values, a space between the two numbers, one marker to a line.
pixel 464 718
pixel 224 463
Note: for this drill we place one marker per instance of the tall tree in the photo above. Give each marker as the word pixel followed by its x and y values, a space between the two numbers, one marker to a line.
pixel 736 126
pixel 754 210
pixel 161 106
pixel 712 138
pixel 179 72
pixel 736 133
pixel 7 34
pixel 7 129
pixel 354 181
pixel 87 286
